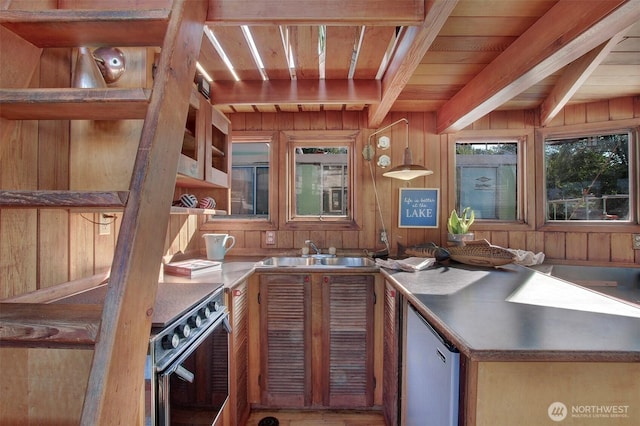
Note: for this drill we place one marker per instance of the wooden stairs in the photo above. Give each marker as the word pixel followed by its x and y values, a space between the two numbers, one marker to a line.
pixel 119 332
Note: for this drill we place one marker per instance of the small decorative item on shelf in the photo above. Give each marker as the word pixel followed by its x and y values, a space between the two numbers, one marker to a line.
pixel 207 203
pixel 111 62
pixel 86 74
pixel 458 226
pixel 186 200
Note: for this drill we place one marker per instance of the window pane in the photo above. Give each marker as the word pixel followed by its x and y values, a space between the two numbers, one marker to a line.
pixel 486 179
pixel 587 177
pixel 250 180
pixel 321 181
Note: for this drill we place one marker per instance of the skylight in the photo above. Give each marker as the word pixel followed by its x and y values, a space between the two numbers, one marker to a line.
pixel 254 52
pixel 286 44
pixel 212 38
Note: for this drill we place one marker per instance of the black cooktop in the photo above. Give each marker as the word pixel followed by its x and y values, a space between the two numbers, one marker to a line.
pixel 172 299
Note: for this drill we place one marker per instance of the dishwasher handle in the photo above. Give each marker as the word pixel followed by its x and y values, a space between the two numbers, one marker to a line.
pixel 448 344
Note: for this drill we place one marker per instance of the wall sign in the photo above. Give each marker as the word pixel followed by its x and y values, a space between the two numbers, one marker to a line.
pixel 418 207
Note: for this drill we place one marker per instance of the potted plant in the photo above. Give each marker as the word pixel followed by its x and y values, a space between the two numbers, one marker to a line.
pixel 458 226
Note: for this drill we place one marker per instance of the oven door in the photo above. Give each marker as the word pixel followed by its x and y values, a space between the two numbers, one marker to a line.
pixel 194 388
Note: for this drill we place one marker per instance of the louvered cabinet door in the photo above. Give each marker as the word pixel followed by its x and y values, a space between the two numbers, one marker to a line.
pixel 391 330
pixel 239 347
pixel 348 340
pixel 285 324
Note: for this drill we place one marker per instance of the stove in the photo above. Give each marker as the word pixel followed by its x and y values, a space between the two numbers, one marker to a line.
pixel 175 327
pixel 187 362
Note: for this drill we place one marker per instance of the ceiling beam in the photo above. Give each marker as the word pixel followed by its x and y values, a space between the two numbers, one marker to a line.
pixel 573 77
pixel 569 30
pixel 295 92
pixel 326 12
pixel 411 49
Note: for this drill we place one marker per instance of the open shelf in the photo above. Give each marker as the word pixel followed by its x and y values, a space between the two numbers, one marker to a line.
pixel 185 210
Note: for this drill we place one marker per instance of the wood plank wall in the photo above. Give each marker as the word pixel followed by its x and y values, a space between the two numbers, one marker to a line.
pixel 43 248
pixel 582 246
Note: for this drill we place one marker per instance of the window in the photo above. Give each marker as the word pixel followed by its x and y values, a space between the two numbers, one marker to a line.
pixel 321 181
pixel 250 180
pixel 251 195
pixel 320 176
pixel 488 178
pixel 588 177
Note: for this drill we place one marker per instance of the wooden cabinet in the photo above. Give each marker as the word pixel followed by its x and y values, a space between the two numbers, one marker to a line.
pixel 391 339
pixel 567 393
pixel 237 410
pixel 348 302
pixel 317 340
pixel 218 149
pixel 205 160
pixel 191 161
pixel 285 339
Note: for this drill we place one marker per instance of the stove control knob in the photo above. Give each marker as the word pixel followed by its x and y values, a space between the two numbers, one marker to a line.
pixel 183 330
pixel 205 312
pixel 214 305
pixel 195 321
pixel 171 341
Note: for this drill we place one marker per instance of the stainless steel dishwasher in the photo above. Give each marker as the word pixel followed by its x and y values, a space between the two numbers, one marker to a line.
pixel 432 375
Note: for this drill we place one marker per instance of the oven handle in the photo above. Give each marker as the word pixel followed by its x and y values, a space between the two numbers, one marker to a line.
pixel 185 374
pixel 177 363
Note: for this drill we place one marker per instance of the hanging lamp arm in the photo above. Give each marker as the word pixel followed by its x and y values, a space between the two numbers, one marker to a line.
pixel 368 150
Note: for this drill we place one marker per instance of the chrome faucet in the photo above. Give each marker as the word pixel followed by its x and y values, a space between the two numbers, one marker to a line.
pixel 313 246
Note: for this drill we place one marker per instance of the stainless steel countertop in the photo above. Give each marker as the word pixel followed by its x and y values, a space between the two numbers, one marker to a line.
pixel 520 314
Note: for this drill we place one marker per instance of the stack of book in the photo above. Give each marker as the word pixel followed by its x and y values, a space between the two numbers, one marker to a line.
pixel 192 267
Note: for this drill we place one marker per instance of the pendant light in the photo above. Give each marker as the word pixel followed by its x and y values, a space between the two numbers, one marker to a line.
pixel 407 170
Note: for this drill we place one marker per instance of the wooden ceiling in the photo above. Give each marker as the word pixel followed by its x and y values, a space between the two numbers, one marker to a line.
pixel 459 58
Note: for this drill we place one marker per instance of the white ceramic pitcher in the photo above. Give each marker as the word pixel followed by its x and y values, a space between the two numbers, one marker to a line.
pixel 217 245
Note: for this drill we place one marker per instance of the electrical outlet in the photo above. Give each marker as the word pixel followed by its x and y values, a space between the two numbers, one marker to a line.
pixel 105 225
pixel 636 241
pixel 383 237
pixel 270 237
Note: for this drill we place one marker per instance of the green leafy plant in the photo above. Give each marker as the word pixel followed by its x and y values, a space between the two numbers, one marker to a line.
pixel 460 224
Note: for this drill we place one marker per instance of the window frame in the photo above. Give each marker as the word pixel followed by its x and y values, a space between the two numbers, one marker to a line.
pixel 525 176
pixel 250 224
pixel 620 126
pixel 290 140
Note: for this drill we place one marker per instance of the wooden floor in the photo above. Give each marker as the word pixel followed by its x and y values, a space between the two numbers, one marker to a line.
pixel 319 418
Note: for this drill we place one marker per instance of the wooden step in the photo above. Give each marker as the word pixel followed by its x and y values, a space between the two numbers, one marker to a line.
pixel 73 28
pixel 85 200
pixel 73 103
pixel 46 325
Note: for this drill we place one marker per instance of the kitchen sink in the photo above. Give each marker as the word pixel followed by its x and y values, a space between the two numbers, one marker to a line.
pixel 290 261
pixel 351 262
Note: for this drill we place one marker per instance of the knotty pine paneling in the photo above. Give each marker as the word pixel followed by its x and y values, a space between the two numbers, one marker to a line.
pixel 576 246
pixel 79 250
pixel 431 150
pixel 619 251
